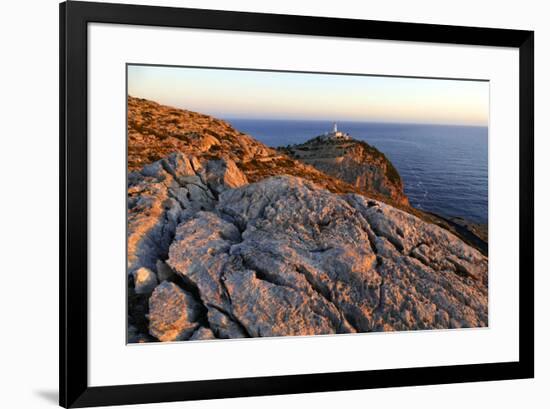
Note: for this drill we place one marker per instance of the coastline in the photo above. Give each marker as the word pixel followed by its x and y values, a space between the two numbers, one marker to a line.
pixel 445 165
pixel 475 234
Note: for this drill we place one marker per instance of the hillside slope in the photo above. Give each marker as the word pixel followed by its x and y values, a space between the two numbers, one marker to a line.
pixel 352 161
pixel 155 130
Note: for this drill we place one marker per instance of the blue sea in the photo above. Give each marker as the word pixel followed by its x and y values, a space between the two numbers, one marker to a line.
pixel 444 167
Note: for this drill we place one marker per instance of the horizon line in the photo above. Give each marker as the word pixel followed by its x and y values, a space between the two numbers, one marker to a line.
pixel 357 121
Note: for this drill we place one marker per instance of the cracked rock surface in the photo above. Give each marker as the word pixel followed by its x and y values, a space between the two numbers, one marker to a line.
pixel 173 313
pixel 284 256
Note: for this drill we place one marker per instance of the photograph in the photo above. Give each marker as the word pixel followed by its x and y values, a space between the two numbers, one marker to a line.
pixel 281 204
pixel 265 203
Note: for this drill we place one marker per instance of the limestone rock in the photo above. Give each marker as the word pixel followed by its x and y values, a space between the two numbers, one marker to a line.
pixel 145 280
pixel 173 313
pixel 160 196
pixel 267 309
pixel 200 254
pixel 202 333
pixel 224 325
pixel 284 257
pixel 163 194
pixel 223 174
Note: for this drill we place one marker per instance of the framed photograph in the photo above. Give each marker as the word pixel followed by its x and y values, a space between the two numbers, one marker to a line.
pixel 257 204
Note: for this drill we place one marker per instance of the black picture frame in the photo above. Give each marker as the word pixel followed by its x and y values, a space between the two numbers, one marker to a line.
pixel 73 380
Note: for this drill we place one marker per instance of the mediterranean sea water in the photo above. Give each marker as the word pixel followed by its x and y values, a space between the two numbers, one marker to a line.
pixel 444 167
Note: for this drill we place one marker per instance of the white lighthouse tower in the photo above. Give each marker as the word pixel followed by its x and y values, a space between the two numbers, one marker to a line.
pixel 335 134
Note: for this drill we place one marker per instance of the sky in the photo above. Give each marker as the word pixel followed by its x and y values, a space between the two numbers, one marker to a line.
pixel 252 94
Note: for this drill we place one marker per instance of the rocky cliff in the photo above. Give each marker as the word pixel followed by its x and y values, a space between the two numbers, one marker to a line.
pixel 211 255
pixel 155 130
pixel 352 161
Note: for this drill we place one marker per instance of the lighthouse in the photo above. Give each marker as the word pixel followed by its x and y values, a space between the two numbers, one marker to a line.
pixel 335 134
